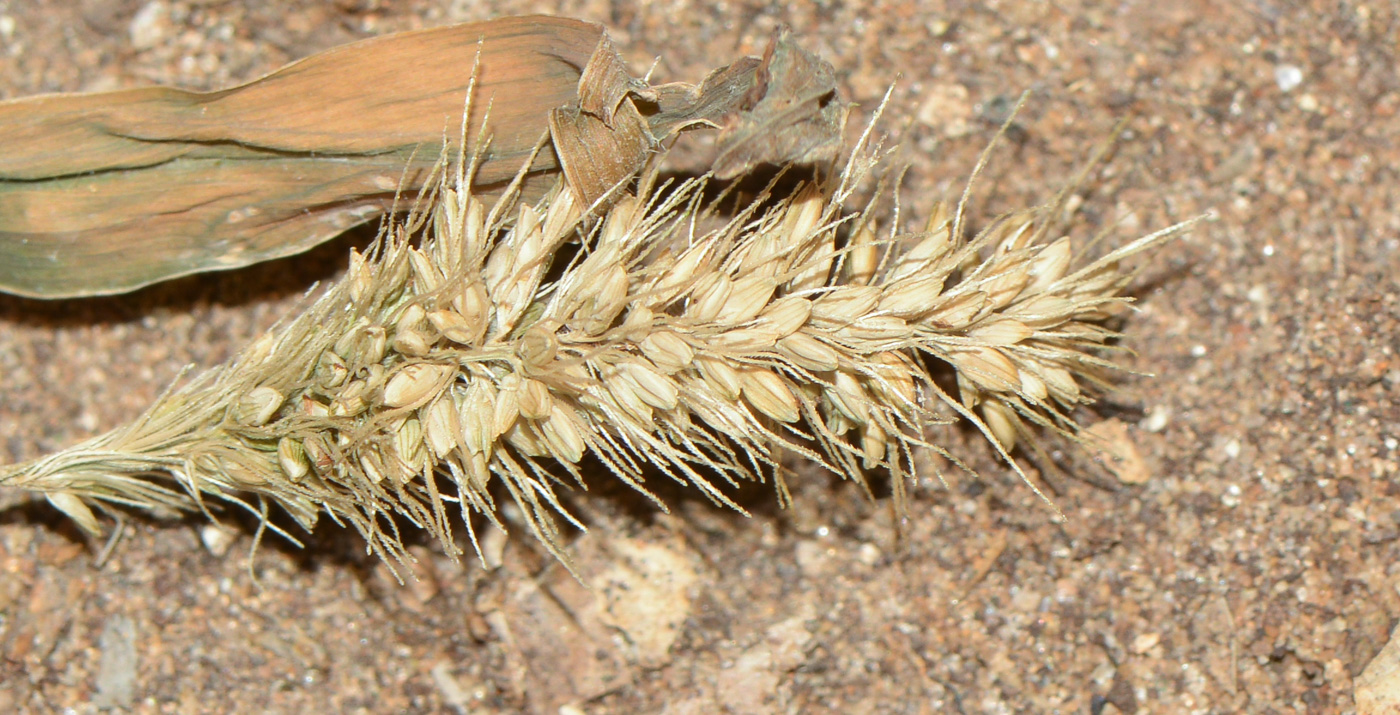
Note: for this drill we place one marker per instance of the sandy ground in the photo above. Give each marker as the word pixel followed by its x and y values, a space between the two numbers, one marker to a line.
pixel 1252 571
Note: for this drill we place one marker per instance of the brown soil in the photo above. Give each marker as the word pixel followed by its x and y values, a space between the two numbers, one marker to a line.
pixel 1252 570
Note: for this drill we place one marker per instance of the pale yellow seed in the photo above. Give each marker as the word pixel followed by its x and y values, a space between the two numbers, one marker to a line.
pixel 709 297
pixel 564 211
pixel 563 433
pixel 1032 386
pixel 808 353
pixel 669 351
pixel 359 277
pixel 744 340
pixel 474 225
pixel 74 508
pixel 447 222
pixel 412 384
pixel 873 444
pixel 1011 235
pixel 371 469
pixel 876 328
pixel 680 274
pixel 413 343
pixel 374 346
pixel 940 218
pixel 331 370
pixel 1044 310
pixel 354 389
pixel 930 248
pixel 260 350
pixel 477 411
pixel 957 311
pixel 408 443
pixel 618 225
pixel 768 393
pixel 627 395
pixel 837 421
pixel 1061 383
pixel 453 326
pixel 523 438
pixel 638 323
pixel 442 426
pixel 410 332
pixel 987 367
pixel 538 346
pixel 911 296
pixel 846 303
pixel 749 297
pixel 1006 284
pixel 478 471
pixel 720 376
pixel 864 255
pixel 426 276
pixel 318 453
pixel 654 388
pixel 535 400
pixel 801 221
pixel 999 333
pixel 896 381
pixel 411 318
pixel 311 407
pixel 256 408
pixel 785 316
pixel 474 305
pixel 1050 265
pixel 803 213
pixel 1002 421
pixel 607 302
pixel 505 411
pixel 1099 285
pixel 374 377
pixel 291 456
pixel 848 396
pixel 348 406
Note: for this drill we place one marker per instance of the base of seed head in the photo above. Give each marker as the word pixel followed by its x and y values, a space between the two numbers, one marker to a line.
pixel 468 349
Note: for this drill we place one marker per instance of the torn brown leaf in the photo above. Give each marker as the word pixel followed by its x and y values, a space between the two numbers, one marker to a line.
pixel 104 193
pixel 793 113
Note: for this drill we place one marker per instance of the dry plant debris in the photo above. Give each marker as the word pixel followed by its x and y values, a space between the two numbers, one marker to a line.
pixel 485 341
pixel 283 163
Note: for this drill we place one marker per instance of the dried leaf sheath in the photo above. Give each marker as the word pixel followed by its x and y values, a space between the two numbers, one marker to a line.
pixel 487 353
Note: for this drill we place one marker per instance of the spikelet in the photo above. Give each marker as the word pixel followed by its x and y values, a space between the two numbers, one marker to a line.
pixel 485 354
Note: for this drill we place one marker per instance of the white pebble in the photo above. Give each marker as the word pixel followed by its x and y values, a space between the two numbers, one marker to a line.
pixel 1288 77
pixel 1156 419
pixel 869 554
pixel 1232 449
pixel 216 539
pixel 148 26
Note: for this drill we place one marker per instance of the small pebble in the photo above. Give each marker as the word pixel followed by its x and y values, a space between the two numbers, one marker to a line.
pixel 1288 77
pixel 216 538
pixel 116 670
pixel 1145 642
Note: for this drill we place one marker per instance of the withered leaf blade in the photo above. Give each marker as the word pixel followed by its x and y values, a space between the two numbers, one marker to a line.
pixel 597 156
pixel 782 109
pixel 104 193
pixel 793 114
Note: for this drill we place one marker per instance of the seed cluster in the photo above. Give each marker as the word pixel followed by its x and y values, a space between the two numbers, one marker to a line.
pixel 529 344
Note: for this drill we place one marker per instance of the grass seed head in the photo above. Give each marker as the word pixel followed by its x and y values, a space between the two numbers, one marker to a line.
pixel 483 352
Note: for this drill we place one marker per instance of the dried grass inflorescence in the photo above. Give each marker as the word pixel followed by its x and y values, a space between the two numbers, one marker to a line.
pixel 527 344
